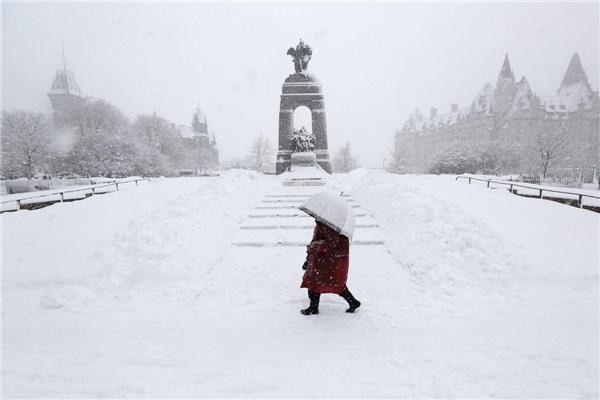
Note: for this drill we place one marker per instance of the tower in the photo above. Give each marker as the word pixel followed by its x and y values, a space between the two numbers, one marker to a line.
pixel 64 94
pixel 505 89
pixel 199 123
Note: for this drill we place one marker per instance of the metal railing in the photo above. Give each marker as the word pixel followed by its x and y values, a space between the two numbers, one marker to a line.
pixel 62 193
pixel 541 190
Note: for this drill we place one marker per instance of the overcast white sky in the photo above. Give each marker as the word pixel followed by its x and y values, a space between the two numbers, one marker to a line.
pixel 376 61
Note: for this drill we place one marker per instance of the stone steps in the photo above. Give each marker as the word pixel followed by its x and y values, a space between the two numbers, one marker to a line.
pixel 304 244
pixel 292 213
pixel 297 223
pixel 298 200
pixel 299 237
pixel 276 221
pixel 287 206
pixel 304 183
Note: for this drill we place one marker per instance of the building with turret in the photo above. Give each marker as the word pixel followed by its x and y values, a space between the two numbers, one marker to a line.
pixel 201 139
pixel 64 94
pixel 508 114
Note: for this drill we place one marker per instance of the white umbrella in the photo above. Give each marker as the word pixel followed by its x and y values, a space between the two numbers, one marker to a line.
pixel 332 211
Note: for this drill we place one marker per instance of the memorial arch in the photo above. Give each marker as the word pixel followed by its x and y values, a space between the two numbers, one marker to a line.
pixel 302 89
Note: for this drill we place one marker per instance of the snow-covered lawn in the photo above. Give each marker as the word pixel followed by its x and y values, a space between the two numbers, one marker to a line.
pixel 139 294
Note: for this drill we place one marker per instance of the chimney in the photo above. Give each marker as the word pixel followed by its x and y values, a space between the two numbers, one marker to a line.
pixel 433 112
pixel 453 107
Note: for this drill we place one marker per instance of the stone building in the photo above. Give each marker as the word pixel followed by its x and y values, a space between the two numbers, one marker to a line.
pixel 508 114
pixel 199 138
pixel 64 95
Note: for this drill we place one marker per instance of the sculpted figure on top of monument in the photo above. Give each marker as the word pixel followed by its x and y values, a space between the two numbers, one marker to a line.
pixel 301 55
pixel 302 141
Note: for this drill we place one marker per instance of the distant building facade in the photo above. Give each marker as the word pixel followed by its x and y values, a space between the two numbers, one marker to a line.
pixel 506 114
pixel 201 139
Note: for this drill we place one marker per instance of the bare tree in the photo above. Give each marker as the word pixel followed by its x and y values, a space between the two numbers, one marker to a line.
pixel 262 152
pixel 549 146
pixel 344 160
pixel 26 141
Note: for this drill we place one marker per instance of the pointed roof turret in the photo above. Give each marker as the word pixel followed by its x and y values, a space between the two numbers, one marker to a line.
pixel 575 72
pixel 575 90
pixel 523 96
pixel 506 71
pixel 64 82
pixel 198 113
pixel 484 102
pixel 415 121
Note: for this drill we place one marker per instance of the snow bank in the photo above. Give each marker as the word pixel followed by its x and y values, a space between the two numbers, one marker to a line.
pixel 116 246
pixel 455 236
pixel 437 241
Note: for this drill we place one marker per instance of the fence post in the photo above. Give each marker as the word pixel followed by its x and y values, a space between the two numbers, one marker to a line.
pixel 136 182
pixel 541 196
pixel 488 185
pixel 511 188
pixel 469 181
pixel 580 201
pixel 93 191
pixel 62 197
pixel 18 205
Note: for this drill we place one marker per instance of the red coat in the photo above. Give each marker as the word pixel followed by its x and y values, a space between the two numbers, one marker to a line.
pixel 328 256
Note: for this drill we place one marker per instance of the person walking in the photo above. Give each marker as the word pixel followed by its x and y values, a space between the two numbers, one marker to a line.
pixel 326 268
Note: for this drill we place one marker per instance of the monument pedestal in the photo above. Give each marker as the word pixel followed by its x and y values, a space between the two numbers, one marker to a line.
pixel 302 89
pixel 304 171
pixel 303 160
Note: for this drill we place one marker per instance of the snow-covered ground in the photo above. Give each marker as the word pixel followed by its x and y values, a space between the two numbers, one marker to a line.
pixel 590 192
pixel 476 293
pixel 101 186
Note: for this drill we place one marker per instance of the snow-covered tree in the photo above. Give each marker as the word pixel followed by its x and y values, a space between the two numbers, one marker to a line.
pixel 475 157
pixel 103 141
pixel 202 155
pixel 262 152
pixel 161 148
pixel 148 161
pixel 157 132
pixel 396 162
pixel 26 141
pixel 344 159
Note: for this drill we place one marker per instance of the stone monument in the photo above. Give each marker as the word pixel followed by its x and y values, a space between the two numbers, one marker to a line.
pixel 302 89
pixel 303 145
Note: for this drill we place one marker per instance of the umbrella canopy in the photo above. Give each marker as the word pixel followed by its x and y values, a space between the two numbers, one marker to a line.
pixel 332 211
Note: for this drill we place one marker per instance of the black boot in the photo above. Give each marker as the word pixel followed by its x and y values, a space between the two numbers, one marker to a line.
pixel 314 303
pixel 352 302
